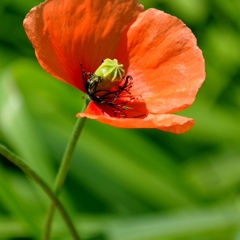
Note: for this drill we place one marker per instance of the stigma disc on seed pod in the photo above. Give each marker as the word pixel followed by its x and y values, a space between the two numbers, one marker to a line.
pixel 111 72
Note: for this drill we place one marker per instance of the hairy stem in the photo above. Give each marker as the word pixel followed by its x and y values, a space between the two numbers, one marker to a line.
pixel 63 170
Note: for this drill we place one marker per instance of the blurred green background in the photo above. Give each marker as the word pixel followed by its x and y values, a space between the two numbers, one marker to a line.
pixel 124 184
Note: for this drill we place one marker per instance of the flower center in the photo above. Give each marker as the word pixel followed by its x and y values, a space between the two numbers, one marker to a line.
pixel 109 88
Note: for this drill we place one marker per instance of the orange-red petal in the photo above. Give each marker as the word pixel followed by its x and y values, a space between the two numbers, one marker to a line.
pixel 165 122
pixel 162 57
pixel 67 33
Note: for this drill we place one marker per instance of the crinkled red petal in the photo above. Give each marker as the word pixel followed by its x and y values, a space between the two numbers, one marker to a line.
pixel 162 56
pixel 67 33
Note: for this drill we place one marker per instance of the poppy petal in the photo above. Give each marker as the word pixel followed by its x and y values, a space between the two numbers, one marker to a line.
pixel 67 33
pixel 161 55
pixel 165 122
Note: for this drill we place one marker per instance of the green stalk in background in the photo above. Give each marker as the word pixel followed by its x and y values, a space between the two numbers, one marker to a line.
pixel 36 178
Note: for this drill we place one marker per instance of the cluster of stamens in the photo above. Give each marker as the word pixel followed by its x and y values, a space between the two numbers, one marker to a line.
pixel 113 100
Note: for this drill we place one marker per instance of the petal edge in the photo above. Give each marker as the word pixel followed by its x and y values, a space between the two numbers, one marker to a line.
pixel 165 122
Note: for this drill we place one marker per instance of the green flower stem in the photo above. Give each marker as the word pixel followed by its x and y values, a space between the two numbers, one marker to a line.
pixel 35 177
pixel 63 170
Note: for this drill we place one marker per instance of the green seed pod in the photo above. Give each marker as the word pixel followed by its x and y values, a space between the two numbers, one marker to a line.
pixel 111 73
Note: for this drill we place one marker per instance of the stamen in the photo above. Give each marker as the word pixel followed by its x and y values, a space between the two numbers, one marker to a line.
pixel 114 100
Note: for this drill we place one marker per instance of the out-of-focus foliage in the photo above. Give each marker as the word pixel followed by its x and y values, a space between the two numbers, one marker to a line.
pixel 124 184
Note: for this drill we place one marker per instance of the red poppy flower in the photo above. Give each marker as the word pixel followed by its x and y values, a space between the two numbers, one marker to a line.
pixel 163 66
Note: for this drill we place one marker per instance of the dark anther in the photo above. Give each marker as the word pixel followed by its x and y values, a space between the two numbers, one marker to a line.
pixel 113 100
